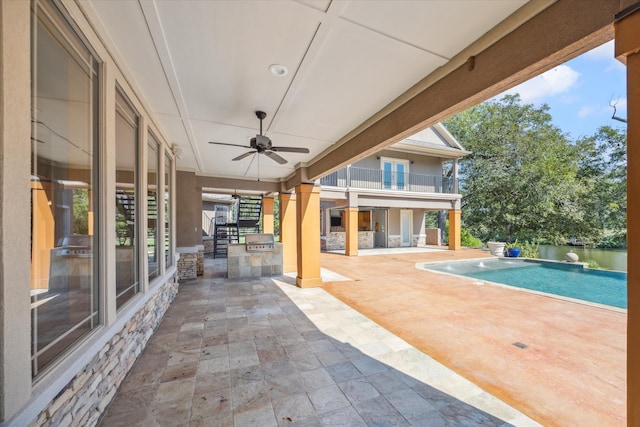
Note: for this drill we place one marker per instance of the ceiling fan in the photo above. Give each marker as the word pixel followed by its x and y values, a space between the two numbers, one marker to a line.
pixel 261 144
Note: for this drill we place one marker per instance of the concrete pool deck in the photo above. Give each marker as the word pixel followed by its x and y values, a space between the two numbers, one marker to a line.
pixel 571 371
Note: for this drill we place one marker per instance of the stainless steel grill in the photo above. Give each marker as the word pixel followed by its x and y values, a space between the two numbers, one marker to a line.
pixel 75 246
pixel 259 242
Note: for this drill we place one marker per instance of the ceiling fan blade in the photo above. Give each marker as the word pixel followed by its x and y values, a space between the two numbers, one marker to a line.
pixel 291 149
pixel 242 156
pixel 230 145
pixel 274 156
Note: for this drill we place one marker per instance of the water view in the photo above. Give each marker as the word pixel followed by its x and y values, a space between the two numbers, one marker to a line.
pixel 610 259
pixel 599 286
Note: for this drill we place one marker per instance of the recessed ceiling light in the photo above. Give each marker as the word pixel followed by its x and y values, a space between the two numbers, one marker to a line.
pixel 278 70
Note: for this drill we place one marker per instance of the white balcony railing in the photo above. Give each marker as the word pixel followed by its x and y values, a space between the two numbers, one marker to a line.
pixel 375 179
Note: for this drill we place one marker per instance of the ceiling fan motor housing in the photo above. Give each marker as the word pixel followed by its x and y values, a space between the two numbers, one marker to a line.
pixel 262 141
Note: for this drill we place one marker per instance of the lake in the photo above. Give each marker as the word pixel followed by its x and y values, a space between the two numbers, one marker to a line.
pixel 611 259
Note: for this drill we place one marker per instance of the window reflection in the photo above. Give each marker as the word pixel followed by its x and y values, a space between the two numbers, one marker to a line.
pixel 168 163
pixel 126 198
pixel 152 207
pixel 64 288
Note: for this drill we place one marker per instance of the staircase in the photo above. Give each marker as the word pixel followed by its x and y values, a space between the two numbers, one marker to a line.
pixel 248 214
pixel 125 216
pixel 224 235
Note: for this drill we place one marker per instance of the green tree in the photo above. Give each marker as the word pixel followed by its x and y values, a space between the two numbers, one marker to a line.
pixel 521 180
pixel 603 171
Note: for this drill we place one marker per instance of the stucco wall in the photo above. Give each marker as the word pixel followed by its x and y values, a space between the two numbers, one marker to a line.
pixel 15 157
pixel 427 165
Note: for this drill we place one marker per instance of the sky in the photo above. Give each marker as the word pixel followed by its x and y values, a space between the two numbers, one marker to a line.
pixel 580 92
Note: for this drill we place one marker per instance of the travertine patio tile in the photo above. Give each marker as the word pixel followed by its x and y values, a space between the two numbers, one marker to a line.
pixel 250 356
pixel 291 409
pixel 409 403
pixel 328 399
pixel 316 378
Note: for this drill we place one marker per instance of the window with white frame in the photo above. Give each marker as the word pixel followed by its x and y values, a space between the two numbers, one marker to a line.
pixel 168 244
pixel 127 129
pixel 153 188
pixel 64 188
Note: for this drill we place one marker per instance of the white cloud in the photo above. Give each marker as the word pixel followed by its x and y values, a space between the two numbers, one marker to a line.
pixel 553 82
pixel 604 111
pixel 604 51
pixel 586 110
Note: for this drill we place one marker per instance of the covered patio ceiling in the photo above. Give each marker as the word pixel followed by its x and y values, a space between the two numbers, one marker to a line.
pixel 359 74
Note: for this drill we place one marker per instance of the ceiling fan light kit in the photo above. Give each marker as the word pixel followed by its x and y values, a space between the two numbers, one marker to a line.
pixel 262 144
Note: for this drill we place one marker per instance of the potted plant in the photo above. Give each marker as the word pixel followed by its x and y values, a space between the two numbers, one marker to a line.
pixel 512 250
pixel 496 248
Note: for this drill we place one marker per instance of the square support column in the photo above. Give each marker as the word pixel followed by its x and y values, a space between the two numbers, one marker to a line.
pixel 308 235
pixel 454 230
pixel 351 226
pixel 627 49
pixel 15 204
pixel 267 215
pixel 288 232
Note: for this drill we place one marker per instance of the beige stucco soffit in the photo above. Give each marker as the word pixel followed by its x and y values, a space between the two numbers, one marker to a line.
pixel 557 33
pixel 226 185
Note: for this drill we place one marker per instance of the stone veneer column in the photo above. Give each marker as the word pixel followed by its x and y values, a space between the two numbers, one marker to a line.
pixel 200 260
pixel 627 36
pixel 308 235
pixel 351 227
pixel 267 215
pixel 187 263
pixel 454 230
pixel 288 232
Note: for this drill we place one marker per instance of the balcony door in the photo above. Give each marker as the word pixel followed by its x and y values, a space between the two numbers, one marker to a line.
pixel 406 227
pixel 394 173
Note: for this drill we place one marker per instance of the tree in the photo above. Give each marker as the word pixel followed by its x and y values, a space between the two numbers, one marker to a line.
pixel 603 171
pixel 521 180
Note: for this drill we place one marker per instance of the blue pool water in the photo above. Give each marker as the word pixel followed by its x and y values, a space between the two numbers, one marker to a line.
pixel 603 287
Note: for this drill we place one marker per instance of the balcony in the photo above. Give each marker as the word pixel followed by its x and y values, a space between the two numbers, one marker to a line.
pixel 376 179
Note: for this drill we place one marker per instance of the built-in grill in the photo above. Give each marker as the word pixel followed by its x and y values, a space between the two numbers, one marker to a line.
pixel 259 242
pixel 75 245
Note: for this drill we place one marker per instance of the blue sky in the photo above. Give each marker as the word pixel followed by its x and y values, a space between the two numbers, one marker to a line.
pixel 579 92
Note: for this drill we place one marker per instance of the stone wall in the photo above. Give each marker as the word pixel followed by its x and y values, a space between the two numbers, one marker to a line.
pixel 208 245
pixel 419 240
pixel 365 239
pixel 336 240
pixel 85 397
pixel 200 260
pixel 243 264
pixel 187 264
pixel 395 241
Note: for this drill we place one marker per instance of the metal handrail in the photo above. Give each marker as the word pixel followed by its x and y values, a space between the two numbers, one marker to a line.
pixel 376 179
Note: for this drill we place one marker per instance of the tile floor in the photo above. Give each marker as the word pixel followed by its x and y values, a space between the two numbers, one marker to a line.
pixel 264 353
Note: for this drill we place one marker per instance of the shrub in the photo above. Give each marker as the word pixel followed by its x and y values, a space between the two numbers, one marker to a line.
pixel 466 239
pixel 529 250
pixel 592 264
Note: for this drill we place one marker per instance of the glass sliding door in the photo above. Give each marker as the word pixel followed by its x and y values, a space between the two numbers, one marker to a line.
pixel 64 188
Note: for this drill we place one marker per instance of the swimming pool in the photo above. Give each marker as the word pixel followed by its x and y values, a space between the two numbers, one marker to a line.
pixel 569 280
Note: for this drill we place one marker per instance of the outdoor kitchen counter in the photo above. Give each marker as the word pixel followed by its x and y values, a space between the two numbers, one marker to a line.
pixel 243 264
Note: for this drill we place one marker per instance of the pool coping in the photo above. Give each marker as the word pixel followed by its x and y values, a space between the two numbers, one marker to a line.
pixel 477 282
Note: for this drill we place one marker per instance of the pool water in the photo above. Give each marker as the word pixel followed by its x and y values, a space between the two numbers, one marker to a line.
pixel 599 286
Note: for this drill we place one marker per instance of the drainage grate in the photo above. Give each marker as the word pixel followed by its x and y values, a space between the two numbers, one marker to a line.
pixel 520 345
